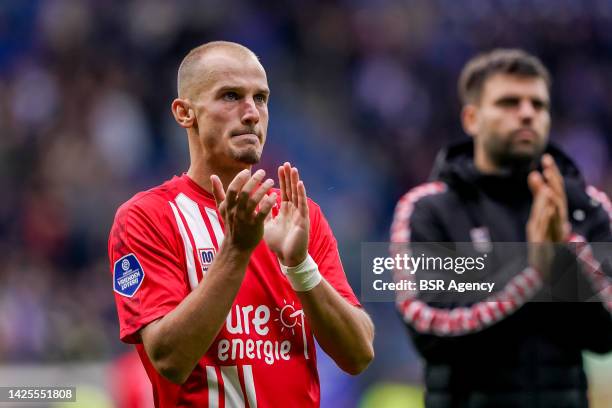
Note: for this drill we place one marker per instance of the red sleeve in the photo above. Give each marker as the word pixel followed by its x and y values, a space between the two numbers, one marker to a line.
pixel 146 262
pixel 324 250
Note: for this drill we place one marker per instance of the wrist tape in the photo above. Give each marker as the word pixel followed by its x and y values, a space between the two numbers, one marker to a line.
pixel 304 276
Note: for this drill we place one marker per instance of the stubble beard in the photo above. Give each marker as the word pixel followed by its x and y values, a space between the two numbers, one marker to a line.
pixel 249 155
pixel 503 152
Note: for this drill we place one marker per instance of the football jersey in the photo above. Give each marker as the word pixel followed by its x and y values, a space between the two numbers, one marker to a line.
pixel 161 245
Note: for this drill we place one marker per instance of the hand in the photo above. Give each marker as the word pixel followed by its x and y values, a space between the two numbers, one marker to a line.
pixel 243 224
pixel 540 253
pixel 548 221
pixel 560 227
pixel 287 234
pixel 542 209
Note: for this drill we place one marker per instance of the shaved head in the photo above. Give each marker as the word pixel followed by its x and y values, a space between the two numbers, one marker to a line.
pixel 193 71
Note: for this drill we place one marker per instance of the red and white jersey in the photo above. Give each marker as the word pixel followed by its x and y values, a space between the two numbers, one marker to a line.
pixel 161 246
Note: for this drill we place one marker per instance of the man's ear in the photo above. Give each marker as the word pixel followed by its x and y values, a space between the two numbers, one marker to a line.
pixel 183 112
pixel 469 119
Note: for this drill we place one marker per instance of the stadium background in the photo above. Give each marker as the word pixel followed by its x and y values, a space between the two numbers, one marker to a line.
pixel 363 95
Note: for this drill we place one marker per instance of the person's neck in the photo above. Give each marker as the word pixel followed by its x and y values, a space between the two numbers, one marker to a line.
pixel 201 172
pixel 486 166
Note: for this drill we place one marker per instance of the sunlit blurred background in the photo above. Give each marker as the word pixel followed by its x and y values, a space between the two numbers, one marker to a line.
pixel 363 96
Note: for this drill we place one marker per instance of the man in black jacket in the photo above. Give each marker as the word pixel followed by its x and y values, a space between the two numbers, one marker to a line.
pixel 508 184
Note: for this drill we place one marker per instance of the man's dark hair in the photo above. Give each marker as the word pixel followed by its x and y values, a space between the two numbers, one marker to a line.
pixel 499 61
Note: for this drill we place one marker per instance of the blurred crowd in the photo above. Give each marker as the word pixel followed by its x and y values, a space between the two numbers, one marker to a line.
pixel 363 96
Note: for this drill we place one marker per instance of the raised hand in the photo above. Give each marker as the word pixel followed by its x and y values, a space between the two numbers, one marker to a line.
pixel 548 222
pixel 550 189
pixel 540 251
pixel 287 234
pixel 559 226
pixel 244 207
pixel 542 209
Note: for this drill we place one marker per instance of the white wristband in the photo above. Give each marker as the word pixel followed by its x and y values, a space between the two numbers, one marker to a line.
pixel 304 276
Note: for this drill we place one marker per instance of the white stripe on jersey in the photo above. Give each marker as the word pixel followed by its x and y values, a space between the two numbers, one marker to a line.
pixel 195 222
pixel 231 384
pixel 213 387
pixel 191 271
pixel 249 385
pixel 214 221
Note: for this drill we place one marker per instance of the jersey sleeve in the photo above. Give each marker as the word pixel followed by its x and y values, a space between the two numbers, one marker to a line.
pixel 592 250
pixel 415 221
pixel 323 248
pixel 145 259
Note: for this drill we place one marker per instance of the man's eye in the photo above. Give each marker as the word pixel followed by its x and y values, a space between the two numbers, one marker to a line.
pixel 260 98
pixel 540 105
pixel 230 96
pixel 508 102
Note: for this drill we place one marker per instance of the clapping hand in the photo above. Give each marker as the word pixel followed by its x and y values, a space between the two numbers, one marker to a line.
pixel 244 207
pixel 548 222
pixel 287 234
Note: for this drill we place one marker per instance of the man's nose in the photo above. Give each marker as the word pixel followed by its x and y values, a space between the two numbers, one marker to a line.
pixel 250 113
pixel 526 110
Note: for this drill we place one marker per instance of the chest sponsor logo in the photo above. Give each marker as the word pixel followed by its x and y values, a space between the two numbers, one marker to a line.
pixel 127 275
pixel 206 257
pixel 263 344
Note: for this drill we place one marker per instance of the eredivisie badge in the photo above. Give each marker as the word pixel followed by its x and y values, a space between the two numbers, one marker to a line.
pixel 127 275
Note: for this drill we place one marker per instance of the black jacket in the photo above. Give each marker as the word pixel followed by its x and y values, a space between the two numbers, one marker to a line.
pixel 530 357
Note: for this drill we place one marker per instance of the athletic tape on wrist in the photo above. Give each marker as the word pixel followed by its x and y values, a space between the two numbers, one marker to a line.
pixel 304 276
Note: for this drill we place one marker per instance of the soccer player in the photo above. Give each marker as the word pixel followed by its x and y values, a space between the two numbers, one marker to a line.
pixel 508 184
pixel 220 316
